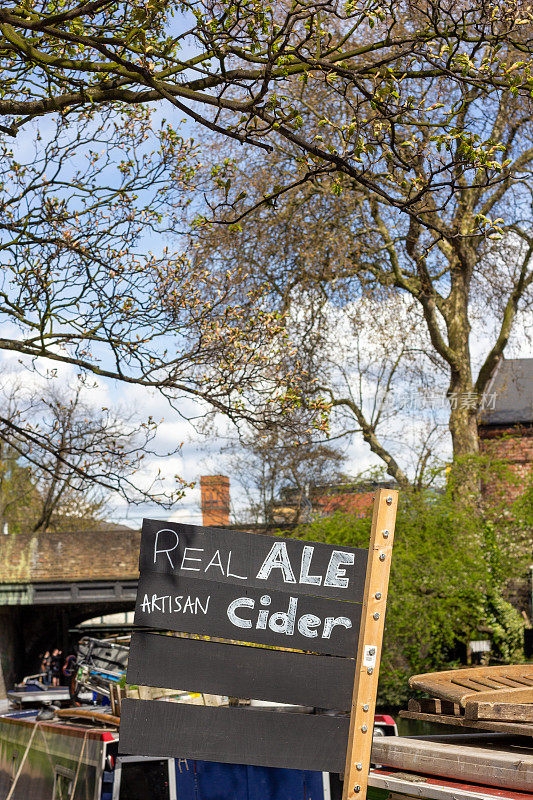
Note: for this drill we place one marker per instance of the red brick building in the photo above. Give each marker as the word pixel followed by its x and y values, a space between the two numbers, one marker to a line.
pixel 324 501
pixel 294 506
pixel 506 423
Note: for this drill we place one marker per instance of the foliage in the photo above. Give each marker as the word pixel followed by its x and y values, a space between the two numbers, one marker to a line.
pixel 384 307
pixel 80 282
pixel 25 502
pixel 506 627
pixel 397 128
pixel 443 585
pixel 87 282
pixel 524 507
pixel 18 494
pixel 240 57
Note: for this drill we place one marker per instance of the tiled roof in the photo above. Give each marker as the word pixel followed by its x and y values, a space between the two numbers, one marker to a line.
pixel 508 398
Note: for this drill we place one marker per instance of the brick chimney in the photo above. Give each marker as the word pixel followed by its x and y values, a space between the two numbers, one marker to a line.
pixel 215 500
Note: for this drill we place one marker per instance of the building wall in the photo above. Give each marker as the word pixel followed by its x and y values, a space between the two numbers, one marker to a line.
pixel 73 556
pixel 513 445
pixel 359 504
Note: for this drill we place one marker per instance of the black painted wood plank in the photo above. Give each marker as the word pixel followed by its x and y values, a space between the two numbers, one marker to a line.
pixel 234 735
pixel 192 605
pixel 235 557
pixel 239 671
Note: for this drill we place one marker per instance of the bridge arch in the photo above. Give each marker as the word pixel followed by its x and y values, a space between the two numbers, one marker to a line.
pixel 50 582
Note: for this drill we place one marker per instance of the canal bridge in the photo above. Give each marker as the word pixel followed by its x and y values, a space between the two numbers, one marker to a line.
pixel 50 582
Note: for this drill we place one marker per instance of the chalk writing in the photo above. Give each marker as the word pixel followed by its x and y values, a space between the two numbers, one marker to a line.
pixel 190 604
pixel 174 604
pixel 283 621
pixel 235 557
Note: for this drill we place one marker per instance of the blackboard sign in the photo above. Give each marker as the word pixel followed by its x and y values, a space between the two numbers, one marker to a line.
pixel 238 735
pixel 326 602
pixel 240 671
pixel 248 560
pixel 270 617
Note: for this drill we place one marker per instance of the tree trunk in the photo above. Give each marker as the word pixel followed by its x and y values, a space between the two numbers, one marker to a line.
pixel 463 427
pixel 463 399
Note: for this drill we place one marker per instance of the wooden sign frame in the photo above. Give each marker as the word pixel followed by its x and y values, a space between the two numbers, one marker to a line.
pixel 370 636
pixel 238 735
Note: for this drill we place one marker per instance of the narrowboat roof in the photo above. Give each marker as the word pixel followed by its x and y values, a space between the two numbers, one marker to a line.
pixel 400 784
pixel 28 718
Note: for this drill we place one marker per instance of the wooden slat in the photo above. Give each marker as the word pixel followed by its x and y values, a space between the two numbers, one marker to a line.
pixel 460 762
pixel 522 681
pixel 468 683
pixel 488 683
pixel 516 728
pixel 432 705
pixel 456 685
pixel 235 557
pixel 507 712
pixel 233 735
pixel 512 683
pixel 207 613
pixel 240 671
pixel 517 694
pixel 447 707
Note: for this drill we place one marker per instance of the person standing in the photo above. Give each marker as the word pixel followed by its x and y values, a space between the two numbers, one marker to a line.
pixel 56 662
pixel 45 668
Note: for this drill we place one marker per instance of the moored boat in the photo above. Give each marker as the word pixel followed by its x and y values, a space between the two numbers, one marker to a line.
pixel 74 756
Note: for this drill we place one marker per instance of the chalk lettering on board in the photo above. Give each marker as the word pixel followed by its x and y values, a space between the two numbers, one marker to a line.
pixel 189 606
pixel 169 604
pixel 240 602
pixel 331 622
pixel 199 604
pixel 283 621
pixel 305 577
pixel 215 562
pixel 191 558
pixel 335 576
pixel 306 623
pixel 262 617
pixel 232 574
pixel 166 550
pixel 277 558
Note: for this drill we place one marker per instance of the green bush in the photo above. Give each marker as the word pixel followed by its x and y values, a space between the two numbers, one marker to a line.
pixel 449 571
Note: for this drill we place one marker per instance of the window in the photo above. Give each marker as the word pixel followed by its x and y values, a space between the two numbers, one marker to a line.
pixel 145 779
pixel 63 781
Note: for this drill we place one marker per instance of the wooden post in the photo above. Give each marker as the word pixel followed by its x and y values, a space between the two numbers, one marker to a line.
pixel 369 647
